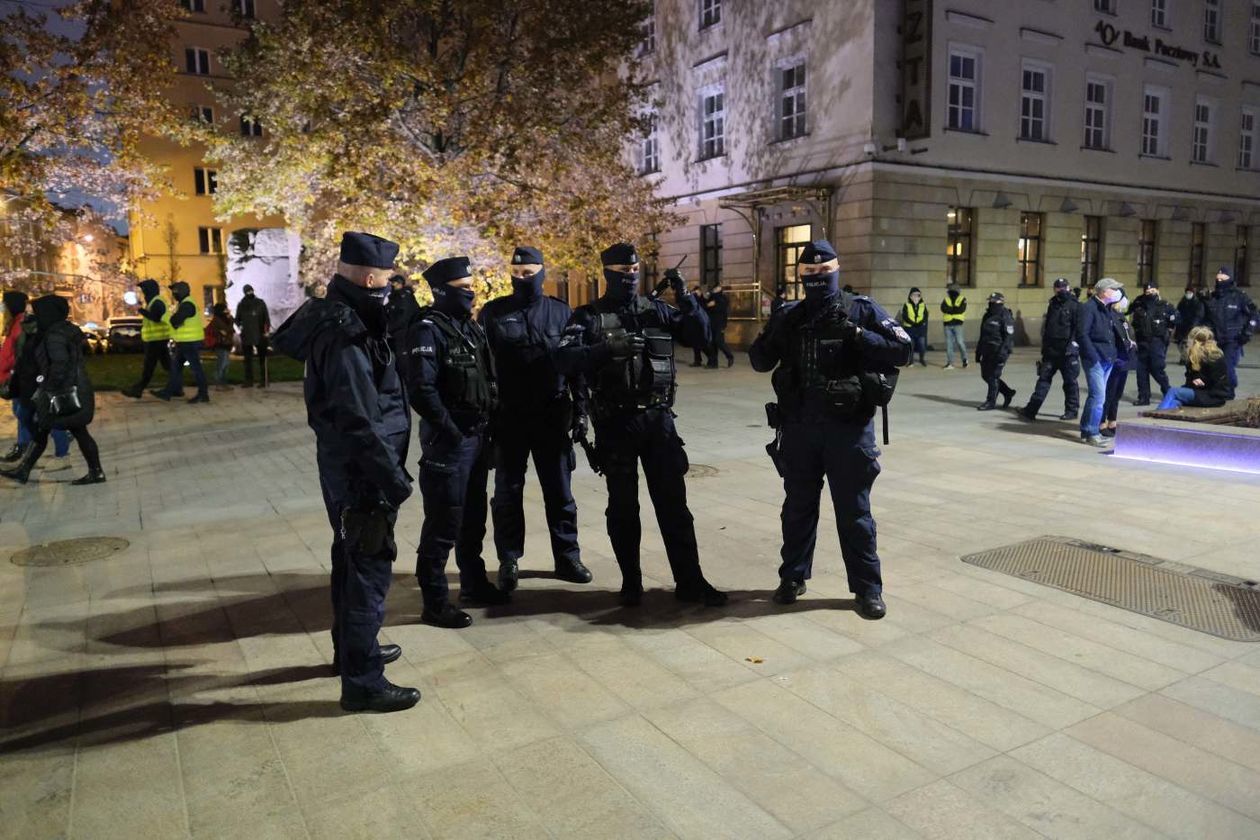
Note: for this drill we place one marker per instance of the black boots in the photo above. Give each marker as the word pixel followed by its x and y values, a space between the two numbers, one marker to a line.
pixel 509 575
pixel 1007 396
pixel 445 615
pixel 574 571
pixel 389 653
pixel 484 594
pixel 95 475
pixel 21 471
pixel 13 454
pixel 700 592
pixel 391 698
pixel 871 607
pixel 789 591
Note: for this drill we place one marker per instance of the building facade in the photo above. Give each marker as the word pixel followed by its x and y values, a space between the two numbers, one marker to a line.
pixel 177 236
pixel 998 145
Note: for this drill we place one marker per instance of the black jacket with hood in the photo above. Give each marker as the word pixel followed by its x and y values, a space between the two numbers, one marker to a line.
pixel 355 400
pixel 154 307
pixel 58 358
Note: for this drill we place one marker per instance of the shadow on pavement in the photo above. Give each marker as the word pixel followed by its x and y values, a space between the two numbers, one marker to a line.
pixel 972 403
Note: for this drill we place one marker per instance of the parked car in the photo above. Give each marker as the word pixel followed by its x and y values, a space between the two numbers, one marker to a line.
pixel 95 337
pixel 124 335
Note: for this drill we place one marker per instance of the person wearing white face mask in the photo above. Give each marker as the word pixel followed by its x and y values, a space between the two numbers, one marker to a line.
pixel 1100 340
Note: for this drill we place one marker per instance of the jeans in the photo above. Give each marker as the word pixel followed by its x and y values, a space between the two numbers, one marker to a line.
pixel 1176 398
pixel 190 352
pixel 24 411
pixel 954 337
pixel 222 356
pixel 1096 375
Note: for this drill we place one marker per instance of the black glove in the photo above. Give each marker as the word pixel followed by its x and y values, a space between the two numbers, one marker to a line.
pixel 365 527
pixel 676 281
pixel 626 344
pixel 849 330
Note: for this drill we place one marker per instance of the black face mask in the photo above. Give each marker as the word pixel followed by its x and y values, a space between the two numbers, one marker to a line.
pixel 528 288
pixel 821 287
pixel 453 301
pixel 621 285
pixel 368 304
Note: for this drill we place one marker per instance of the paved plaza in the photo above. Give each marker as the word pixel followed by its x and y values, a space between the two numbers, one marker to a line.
pixel 181 687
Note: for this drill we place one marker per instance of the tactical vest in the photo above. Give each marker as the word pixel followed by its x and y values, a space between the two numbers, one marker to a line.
pixel 820 372
pixel 191 329
pixel 466 379
pixel 1150 320
pixel 648 380
pixel 154 331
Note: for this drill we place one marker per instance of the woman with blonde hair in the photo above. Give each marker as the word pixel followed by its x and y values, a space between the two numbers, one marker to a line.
pixel 1207 376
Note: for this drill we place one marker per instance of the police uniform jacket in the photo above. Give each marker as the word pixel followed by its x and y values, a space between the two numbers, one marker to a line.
pixel 1152 318
pixel 523 337
pixel 583 350
pixel 997 334
pixel 1230 314
pixel 1058 329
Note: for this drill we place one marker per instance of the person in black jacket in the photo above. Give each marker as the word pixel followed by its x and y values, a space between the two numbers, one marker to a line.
pixel 356 406
pixel 1189 314
pixel 63 396
pixel 718 306
pixel 254 322
pixel 1059 354
pixel 185 321
pixel 1232 317
pixel 1099 338
pixel 155 332
pixel 1207 374
pixel 993 348
pixel 1126 360
pixel 1153 320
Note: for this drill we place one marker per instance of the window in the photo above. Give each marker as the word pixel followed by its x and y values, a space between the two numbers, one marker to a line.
pixel 1159 13
pixel 1153 115
pixel 1201 148
pixel 1107 7
pixel 788 243
pixel 210 240
pixel 1147 238
pixel 206 181
pixel 712 124
pixel 1034 103
pixel 1240 256
pixel 193 5
pixel 1212 21
pixel 203 113
pixel 649 152
pixel 1091 251
pixel 1248 139
pixel 960 238
pixel 792 101
pixel 963 112
pixel 1198 237
pixel 250 127
pixel 209 295
pixel 710 255
pixel 648 45
pixel 710 13
pixel 1097 113
pixel 1253 31
pixel 197 61
pixel 1030 225
pixel 245 8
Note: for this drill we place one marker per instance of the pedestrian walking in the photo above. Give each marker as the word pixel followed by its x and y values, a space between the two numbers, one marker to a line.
pixel 954 316
pixel 1207 374
pixel 834 356
pixel 63 396
pixel 1100 337
pixel 914 320
pixel 155 333
pixel 718 307
pixel 254 322
pixel 1059 354
pixel 356 405
pixel 1126 360
pixel 222 336
pixel 188 334
pixel 993 348
pixel 23 338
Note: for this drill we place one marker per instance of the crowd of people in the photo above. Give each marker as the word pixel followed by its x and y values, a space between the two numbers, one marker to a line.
pixel 1107 336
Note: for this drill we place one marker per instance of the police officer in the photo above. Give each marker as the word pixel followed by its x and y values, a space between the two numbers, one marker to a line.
pixel 155 332
pixel 624 344
pixel 451 382
pixel 834 354
pixel 1059 354
pixel 1153 320
pixel 993 348
pixel 1232 317
pixel 536 416
pixel 355 404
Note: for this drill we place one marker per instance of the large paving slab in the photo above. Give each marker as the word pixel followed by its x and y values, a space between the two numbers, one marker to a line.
pixel 180 688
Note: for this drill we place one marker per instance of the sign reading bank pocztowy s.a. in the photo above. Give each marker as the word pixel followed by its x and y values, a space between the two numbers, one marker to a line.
pixel 916 69
pixel 1117 39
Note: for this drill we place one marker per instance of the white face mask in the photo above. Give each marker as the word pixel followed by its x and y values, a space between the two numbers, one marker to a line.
pixel 1189 295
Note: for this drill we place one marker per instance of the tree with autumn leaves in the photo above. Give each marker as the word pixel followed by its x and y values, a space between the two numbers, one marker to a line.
pixel 450 126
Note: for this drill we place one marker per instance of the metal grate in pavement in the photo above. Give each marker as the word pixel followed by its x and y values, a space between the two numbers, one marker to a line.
pixel 69 552
pixel 1195 598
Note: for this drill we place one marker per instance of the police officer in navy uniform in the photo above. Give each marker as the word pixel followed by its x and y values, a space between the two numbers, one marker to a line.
pixel 1153 320
pixel 1059 354
pixel 624 345
pixel 355 404
pixel 450 378
pixel 993 348
pixel 831 354
pixel 1232 317
pixel 536 416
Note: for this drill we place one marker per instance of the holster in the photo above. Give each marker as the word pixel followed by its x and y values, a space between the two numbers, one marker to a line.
pixel 774 417
pixel 364 531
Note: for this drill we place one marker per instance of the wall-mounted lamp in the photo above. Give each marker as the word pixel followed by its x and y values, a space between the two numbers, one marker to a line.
pixel 869 148
pixel 1068 206
pixel 1126 210
pixel 1001 202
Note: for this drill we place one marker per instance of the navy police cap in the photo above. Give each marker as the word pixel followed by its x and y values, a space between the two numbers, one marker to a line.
pixel 446 270
pixel 622 253
pixel 818 251
pixel 367 250
pixel 527 255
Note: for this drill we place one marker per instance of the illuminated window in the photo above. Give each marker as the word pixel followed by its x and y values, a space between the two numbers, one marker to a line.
pixel 789 241
pixel 959 245
pixel 1091 251
pixel 1029 248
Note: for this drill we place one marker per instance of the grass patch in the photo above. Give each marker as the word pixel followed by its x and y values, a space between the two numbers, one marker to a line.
pixel 115 371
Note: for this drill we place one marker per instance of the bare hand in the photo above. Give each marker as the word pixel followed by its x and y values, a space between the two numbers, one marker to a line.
pixel 1198 383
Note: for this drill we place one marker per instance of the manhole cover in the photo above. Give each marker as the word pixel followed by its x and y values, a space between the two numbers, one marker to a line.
pixel 1190 597
pixel 69 552
pixel 701 471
